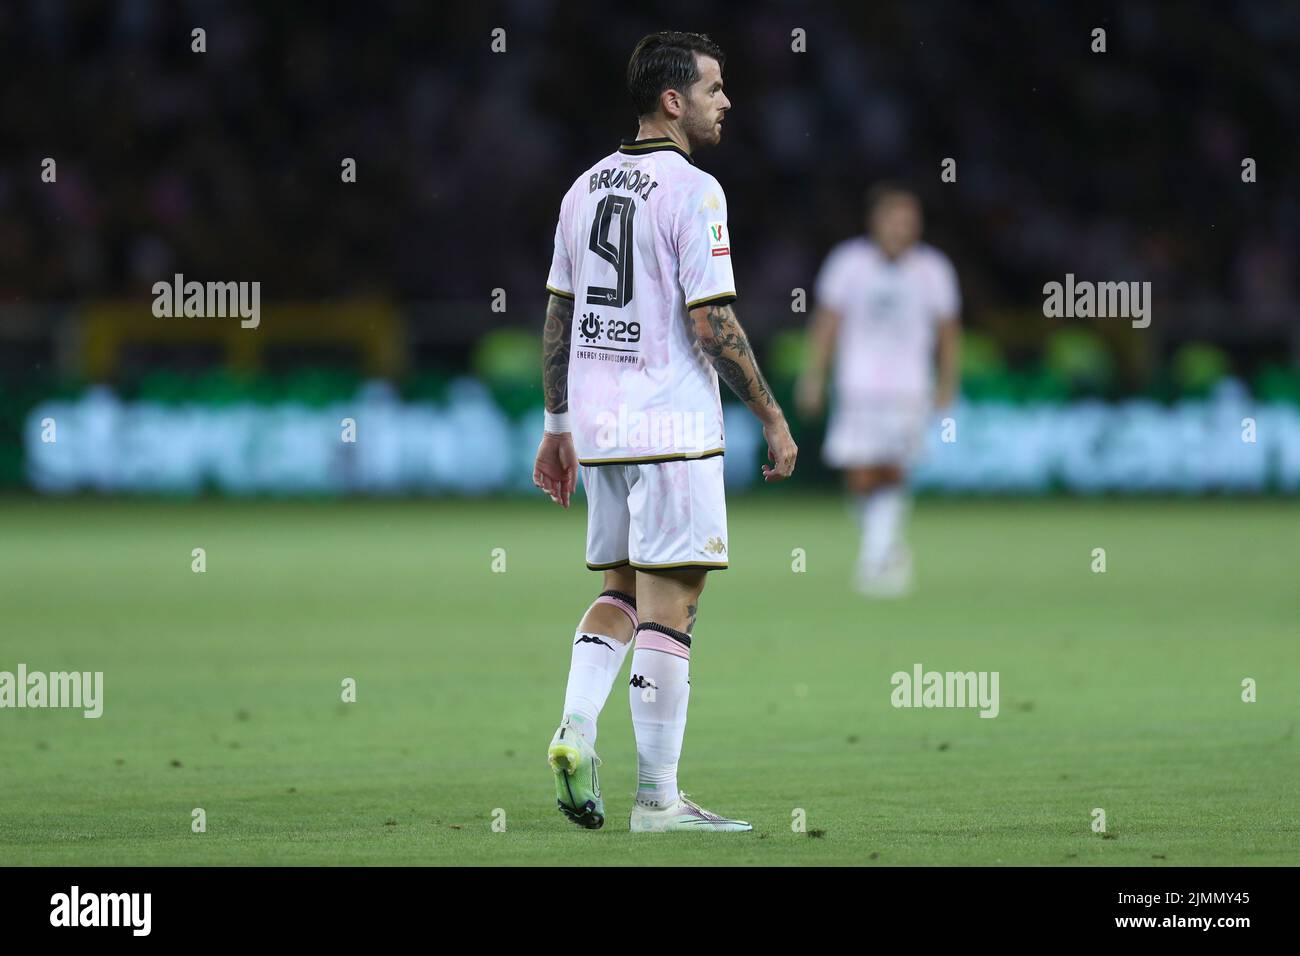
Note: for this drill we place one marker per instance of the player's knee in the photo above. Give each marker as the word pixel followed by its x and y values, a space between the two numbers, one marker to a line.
pixel 670 597
pixel 678 615
pixel 860 481
pixel 621 579
pixel 889 476
pixel 864 481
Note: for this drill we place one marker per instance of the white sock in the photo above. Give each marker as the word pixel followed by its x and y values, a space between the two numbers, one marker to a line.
pixel 659 692
pixel 593 668
pixel 883 512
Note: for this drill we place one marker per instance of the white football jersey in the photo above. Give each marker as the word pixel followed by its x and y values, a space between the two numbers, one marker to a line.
pixel 642 238
pixel 889 313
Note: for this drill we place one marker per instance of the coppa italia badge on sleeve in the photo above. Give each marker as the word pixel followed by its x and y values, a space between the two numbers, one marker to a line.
pixel 719 245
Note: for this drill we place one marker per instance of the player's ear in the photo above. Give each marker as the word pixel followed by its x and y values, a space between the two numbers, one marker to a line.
pixel 670 101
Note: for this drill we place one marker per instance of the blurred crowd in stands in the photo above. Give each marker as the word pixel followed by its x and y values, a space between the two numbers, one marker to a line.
pixel 225 165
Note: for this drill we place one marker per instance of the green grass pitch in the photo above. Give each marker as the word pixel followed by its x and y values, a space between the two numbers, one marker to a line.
pixel 1119 690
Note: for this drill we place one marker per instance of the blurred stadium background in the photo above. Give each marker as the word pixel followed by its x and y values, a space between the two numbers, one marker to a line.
pixel 1120 690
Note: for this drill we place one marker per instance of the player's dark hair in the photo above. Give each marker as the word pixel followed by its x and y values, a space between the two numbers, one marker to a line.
pixel 881 193
pixel 666 61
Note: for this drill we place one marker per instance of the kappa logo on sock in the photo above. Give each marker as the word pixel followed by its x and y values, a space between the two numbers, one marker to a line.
pixel 639 681
pixel 590 639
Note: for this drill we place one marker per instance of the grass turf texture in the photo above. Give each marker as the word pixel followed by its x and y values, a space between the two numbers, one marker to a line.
pixel 222 690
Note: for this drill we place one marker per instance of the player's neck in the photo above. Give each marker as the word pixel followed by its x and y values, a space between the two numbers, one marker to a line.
pixel 651 129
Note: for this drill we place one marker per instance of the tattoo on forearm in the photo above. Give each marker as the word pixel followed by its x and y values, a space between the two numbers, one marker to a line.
pixel 732 373
pixel 728 349
pixel 555 353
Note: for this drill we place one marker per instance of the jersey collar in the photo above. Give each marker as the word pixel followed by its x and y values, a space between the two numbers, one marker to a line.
pixel 635 147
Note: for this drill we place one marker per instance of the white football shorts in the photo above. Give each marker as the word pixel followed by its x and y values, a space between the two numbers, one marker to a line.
pixel 877 431
pixel 668 514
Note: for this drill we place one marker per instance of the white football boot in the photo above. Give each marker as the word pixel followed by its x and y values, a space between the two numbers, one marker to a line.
pixel 685 814
pixel 891 580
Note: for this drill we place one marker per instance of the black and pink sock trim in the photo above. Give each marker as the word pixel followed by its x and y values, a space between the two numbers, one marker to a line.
pixel 657 637
pixel 624 602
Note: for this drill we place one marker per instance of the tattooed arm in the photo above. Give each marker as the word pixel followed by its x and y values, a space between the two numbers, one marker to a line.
pixel 555 353
pixel 727 347
pixel 556 468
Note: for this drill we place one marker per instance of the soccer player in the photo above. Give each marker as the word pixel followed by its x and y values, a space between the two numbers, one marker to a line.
pixel 882 305
pixel 639 328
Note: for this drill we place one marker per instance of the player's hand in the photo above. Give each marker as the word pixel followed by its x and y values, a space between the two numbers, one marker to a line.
pixel 781 450
pixel 556 468
pixel 810 396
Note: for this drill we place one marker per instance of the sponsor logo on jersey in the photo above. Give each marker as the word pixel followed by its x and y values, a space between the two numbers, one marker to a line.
pixel 719 244
pixel 590 326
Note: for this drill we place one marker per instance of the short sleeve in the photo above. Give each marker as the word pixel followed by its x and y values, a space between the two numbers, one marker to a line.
pixel 704 247
pixel 944 289
pixel 560 279
pixel 831 288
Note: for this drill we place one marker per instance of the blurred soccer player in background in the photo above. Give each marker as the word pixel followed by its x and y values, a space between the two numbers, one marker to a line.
pixel 639 328
pixel 886 313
